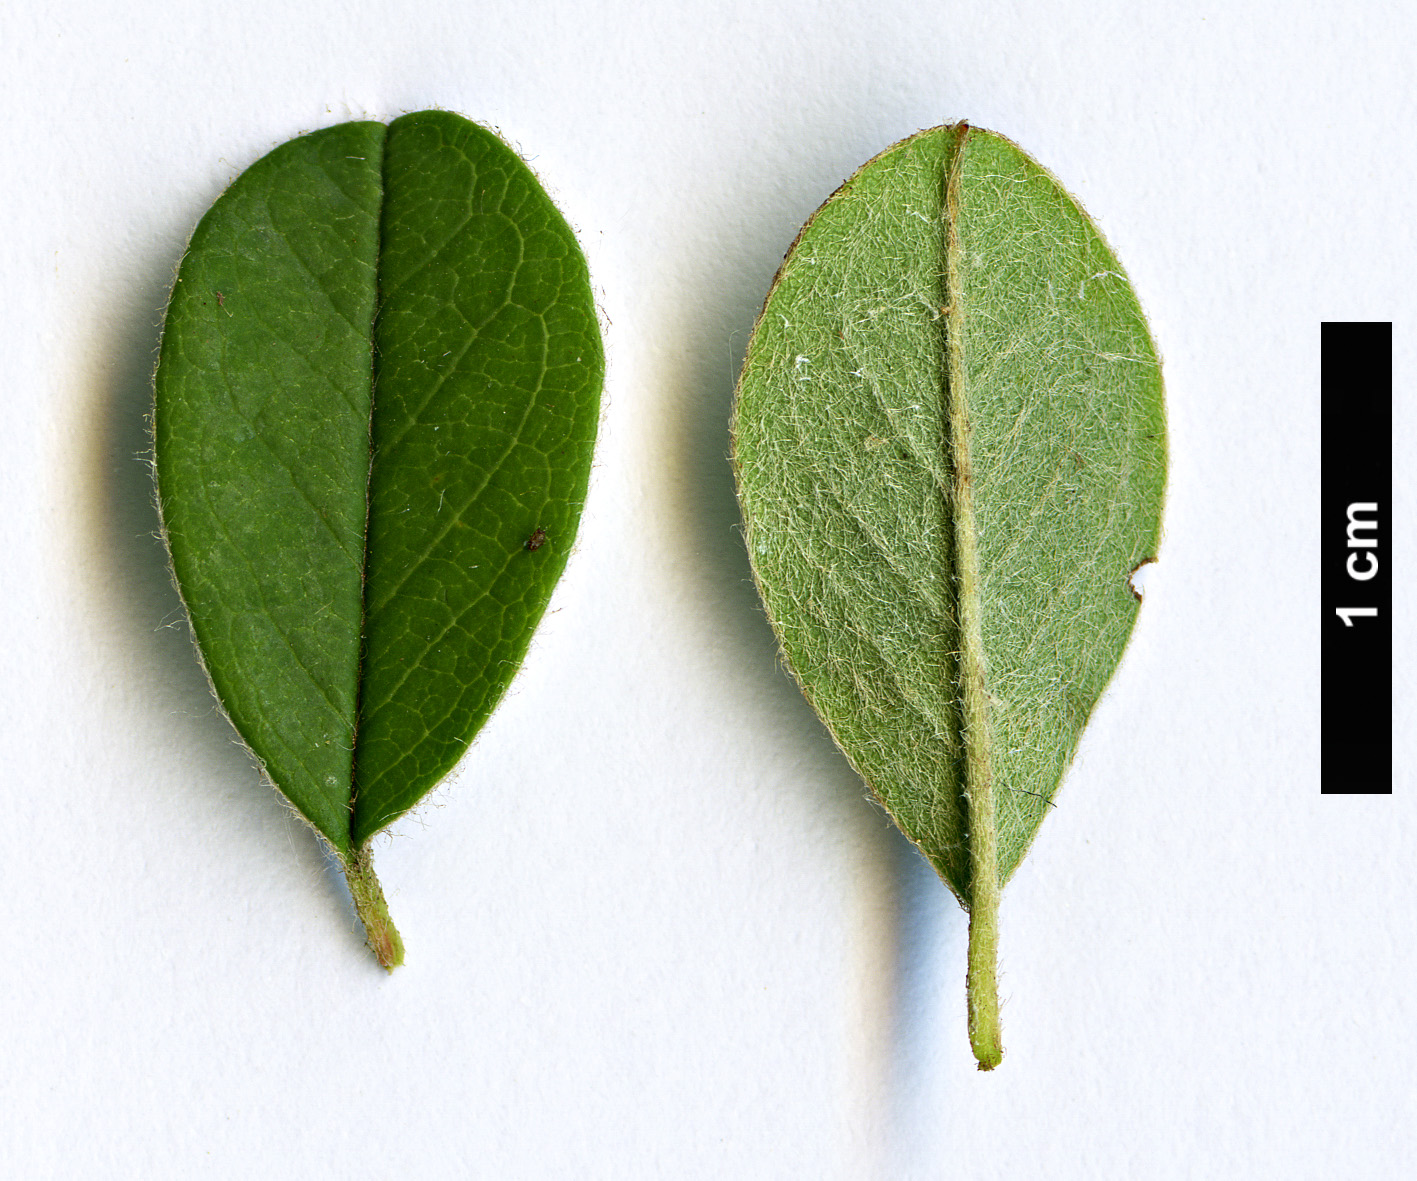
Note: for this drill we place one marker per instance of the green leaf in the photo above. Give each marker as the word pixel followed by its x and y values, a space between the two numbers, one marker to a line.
pixel 376 402
pixel 950 447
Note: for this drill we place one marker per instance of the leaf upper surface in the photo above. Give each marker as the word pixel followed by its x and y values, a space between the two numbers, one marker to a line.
pixel 380 375
pixel 489 365
pixel 846 466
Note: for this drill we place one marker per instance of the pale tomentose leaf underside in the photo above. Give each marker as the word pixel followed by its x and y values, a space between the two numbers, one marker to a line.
pixel 846 469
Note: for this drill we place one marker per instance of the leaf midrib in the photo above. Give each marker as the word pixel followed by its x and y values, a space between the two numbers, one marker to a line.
pixel 368 488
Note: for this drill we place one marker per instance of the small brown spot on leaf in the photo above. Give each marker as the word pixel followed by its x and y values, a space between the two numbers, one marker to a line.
pixel 537 538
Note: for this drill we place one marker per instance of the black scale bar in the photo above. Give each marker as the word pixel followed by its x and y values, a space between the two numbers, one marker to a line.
pixel 1356 677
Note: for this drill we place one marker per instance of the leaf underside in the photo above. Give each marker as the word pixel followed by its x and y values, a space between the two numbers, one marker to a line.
pixel 379 378
pixel 846 467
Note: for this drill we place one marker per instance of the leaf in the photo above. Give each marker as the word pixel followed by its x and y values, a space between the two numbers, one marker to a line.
pixel 376 401
pixel 950 449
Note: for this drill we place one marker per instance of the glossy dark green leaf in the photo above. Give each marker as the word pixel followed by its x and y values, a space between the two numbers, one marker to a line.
pixel 950 444
pixel 377 398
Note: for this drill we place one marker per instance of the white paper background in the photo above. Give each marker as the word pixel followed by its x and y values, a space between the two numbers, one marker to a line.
pixel 654 927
